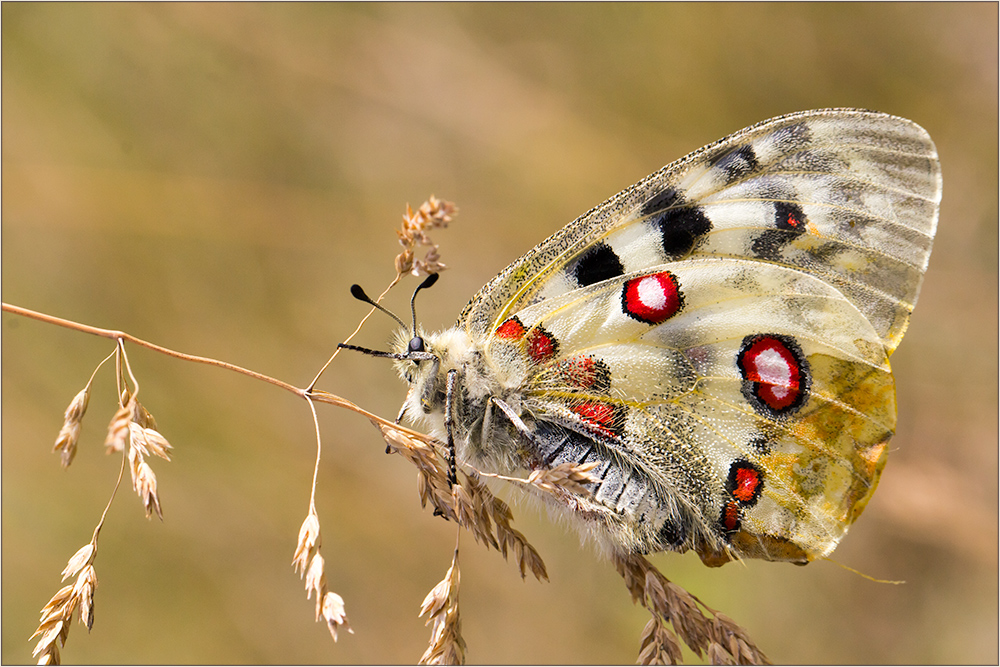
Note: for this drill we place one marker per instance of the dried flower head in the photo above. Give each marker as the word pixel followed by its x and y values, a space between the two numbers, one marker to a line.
pixel 334 615
pixel 568 476
pixel 311 565
pixel 118 429
pixel 144 483
pixel 307 544
pixel 432 214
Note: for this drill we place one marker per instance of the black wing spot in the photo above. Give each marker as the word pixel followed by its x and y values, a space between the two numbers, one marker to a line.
pixel 597 264
pixel 680 229
pixel 789 222
pixel 789 215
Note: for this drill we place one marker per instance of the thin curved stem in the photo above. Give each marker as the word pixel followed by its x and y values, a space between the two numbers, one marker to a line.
pixel 122 336
pixel 319 454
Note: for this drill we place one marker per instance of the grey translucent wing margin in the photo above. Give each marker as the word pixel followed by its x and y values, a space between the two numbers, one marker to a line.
pixel 849 165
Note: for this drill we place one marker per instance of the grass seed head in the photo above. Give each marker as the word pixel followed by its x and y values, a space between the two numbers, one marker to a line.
pixel 69 434
pixel 334 614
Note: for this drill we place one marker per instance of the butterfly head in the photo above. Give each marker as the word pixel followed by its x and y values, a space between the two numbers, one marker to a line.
pixel 421 359
pixel 424 361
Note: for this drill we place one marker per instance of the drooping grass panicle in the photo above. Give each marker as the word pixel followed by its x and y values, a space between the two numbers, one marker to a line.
pixel 469 502
pixel 69 434
pixel 446 647
pixel 309 563
pixel 57 614
pixel 704 630
pixel 133 430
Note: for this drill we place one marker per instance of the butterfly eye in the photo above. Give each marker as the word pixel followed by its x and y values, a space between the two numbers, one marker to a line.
pixel 416 344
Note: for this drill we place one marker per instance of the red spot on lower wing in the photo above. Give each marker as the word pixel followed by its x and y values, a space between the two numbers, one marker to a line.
pixel 775 370
pixel 731 516
pixel 542 346
pixel 747 483
pixel 511 329
pixel 603 417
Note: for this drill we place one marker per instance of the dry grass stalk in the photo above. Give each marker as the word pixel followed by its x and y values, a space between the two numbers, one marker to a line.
pixel 470 502
pixel 432 214
pixel 723 640
pixel 310 564
pixel 57 614
pixel 441 607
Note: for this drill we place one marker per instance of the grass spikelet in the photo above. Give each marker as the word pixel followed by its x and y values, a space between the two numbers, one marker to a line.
pixel 334 615
pixel 144 483
pixel 568 476
pixel 658 645
pixel 307 544
pixel 469 502
pixel 69 434
pixel 441 608
pixel 310 565
pixel 118 429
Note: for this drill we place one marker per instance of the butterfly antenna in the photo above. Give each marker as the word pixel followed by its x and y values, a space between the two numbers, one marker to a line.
pixel 360 295
pixel 428 282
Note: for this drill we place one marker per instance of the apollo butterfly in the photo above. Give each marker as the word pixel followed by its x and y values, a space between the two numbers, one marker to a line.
pixel 716 338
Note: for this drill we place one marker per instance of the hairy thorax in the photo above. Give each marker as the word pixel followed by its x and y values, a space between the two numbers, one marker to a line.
pixel 483 436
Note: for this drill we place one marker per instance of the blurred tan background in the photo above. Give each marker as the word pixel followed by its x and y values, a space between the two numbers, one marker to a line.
pixel 214 177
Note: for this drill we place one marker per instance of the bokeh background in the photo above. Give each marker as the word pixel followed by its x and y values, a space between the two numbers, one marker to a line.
pixel 213 178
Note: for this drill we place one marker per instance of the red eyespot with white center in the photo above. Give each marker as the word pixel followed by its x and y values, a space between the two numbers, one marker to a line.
pixel 652 299
pixel 775 374
pixel 731 517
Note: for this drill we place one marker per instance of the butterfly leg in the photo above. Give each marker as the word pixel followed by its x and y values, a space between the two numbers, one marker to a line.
pixel 449 423
pixel 399 420
pixel 514 418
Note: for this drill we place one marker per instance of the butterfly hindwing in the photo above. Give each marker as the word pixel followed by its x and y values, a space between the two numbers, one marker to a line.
pixel 712 362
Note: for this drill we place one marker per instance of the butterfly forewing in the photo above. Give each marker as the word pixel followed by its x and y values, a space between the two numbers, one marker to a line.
pixel 716 337
pixel 849 195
